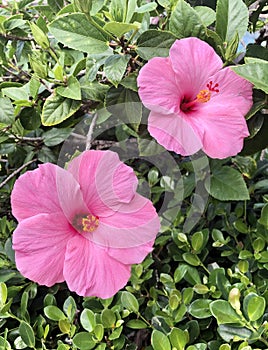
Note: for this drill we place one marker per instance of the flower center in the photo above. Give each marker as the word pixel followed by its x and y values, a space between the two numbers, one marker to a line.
pixel 85 223
pixel 202 97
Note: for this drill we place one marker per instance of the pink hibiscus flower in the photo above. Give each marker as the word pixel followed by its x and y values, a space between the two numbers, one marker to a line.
pixel 85 225
pixel 195 103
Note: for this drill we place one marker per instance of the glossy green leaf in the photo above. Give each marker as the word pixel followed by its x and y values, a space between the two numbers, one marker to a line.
pixel 16 93
pixel 185 21
pixel 83 341
pixel 108 318
pixel 54 313
pixel 39 36
pixel 254 71
pixel 115 67
pixel 254 306
pixel 3 294
pixel 87 320
pixel 200 308
pixel 129 302
pixel 263 220
pixel 137 324
pixel 229 332
pixel 57 108
pixel 119 29
pixel 69 306
pixel 160 341
pixel 27 334
pixel 178 338
pixel 7 116
pixel 227 184
pixel 206 14
pixel 154 43
pixel 231 18
pixel 224 313
pixel 72 90
pixel 75 31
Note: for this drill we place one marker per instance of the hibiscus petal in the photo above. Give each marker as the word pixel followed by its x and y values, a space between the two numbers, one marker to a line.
pixel 106 182
pixel 133 255
pixel 157 86
pixel 136 224
pixel 90 271
pixel 48 189
pixel 234 91
pixel 175 133
pixel 193 61
pixel 35 192
pixel 224 129
pixel 40 243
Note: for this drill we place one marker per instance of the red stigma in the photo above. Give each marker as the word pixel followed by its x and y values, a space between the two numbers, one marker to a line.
pixel 213 88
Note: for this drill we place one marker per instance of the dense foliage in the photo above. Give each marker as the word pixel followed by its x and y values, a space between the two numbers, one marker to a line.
pixel 68 81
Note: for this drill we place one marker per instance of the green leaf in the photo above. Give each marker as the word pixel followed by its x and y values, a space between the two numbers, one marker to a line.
pixel 7 116
pixel 54 313
pixel 55 136
pixel 263 220
pixel 191 259
pixel 255 71
pixel 136 324
pixel 99 331
pixel 185 21
pixel 224 313
pixel 206 14
pixel 197 240
pixel 83 340
pixel 16 93
pixel 200 308
pixel 154 43
pixel 3 294
pixel 231 18
pixel 119 28
pixel 72 90
pixel 87 320
pixel 229 332
pixel 69 306
pixel 150 6
pixel 108 318
pixel 227 184
pixel 254 306
pixel 93 90
pixel 115 67
pixel 27 334
pixel 75 31
pixel 160 341
pixel 129 302
pixel 39 36
pixel 57 108
pixel 178 338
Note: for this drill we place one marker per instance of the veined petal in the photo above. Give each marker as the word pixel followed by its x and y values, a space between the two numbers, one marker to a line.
pixel 136 223
pixel 90 271
pixel 175 133
pixel 157 86
pixel 224 129
pixel 234 91
pixel 40 244
pixel 106 182
pixel 35 192
pixel 193 61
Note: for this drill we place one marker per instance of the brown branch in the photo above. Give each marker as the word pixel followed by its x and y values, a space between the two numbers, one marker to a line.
pixel 15 37
pixel 2 184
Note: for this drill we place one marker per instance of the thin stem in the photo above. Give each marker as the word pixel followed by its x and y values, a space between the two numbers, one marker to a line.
pixel 90 132
pixel 25 138
pixel 2 184
pixel 15 37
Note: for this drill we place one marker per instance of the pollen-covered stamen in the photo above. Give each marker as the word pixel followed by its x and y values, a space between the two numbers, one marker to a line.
pixel 203 96
pixel 85 223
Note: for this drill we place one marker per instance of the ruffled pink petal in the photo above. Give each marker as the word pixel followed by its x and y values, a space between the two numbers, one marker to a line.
pixel 90 271
pixel 175 133
pixel 133 255
pixel 48 189
pixel 224 129
pixel 234 91
pixel 157 86
pixel 35 192
pixel 40 244
pixel 136 223
pixel 193 61
pixel 106 183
